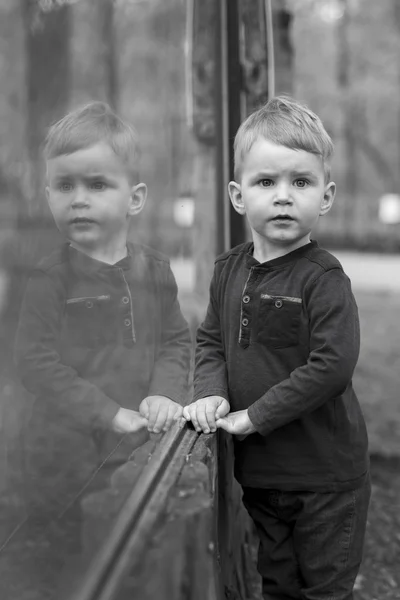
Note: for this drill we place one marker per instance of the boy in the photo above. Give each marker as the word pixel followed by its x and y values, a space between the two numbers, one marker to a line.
pixel 274 361
pixel 101 342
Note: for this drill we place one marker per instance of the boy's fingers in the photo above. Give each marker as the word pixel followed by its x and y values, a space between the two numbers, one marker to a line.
pixel 224 424
pixel 202 419
pixel 178 412
pixel 144 409
pixel 189 411
pixel 222 410
pixel 210 415
pixel 186 413
pixel 153 415
pixel 162 417
pixel 169 418
pixel 182 422
pixel 196 413
pixel 177 417
pixel 194 419
pixel 144 413
pixel 137 424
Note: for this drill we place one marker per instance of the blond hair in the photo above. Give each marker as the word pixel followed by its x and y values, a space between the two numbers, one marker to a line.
pixel 285 122
pixel 89 125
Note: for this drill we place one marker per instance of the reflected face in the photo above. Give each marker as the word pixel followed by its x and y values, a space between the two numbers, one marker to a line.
pixel 282 192
pixel 91 197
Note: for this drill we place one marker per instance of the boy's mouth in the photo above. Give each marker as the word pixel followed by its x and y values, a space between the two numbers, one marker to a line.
pixel 81 220
pixel 282 218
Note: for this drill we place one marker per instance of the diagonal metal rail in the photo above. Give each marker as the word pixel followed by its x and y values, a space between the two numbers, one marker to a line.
pixel 136 521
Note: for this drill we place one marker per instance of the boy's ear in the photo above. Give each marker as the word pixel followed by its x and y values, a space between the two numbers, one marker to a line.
pixel 329 197
pixel 235 194
pixel 138 198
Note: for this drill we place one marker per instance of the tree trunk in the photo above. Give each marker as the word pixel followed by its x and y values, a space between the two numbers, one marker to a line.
pixel 46 38
pixel 349 145
pixel 92 53
pixel 396 8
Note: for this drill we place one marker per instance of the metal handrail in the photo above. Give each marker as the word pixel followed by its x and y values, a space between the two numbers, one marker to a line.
pixel 131 532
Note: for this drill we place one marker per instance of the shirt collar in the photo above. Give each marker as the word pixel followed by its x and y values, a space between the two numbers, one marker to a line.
pixel 87 264
pixel 276 262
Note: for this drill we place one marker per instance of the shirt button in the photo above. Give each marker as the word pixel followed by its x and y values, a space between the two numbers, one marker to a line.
pixel 278 303
pixel 127 322
pixel 89 304
pixel 125 300
pixel 246 299
pixel 245 322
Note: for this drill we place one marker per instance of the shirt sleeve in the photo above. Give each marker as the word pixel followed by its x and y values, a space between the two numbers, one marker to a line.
pixel 334 350
pixel 210 375
pixel 38 360
pixel 171 370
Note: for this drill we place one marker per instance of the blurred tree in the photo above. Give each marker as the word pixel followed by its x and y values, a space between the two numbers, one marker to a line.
pixel 347 70
pixel 54 76
pixel 45 86
pixel 46 39
pixel 396 20
pixel 48 84
pixel 350 174
pixel 150 45
pixel 284 50
pixel 12 119
pixel 93 60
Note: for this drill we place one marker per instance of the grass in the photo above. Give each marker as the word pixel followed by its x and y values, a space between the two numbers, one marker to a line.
pixel 376 378
pixel 377 382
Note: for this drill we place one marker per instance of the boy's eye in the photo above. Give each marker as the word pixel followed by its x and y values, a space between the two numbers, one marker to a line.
pixel 98 185
pixel 65 186
pixel 301 183
pixel 266 182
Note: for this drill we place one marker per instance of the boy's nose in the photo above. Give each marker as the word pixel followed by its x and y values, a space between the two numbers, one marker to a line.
pixel 80 199
pixel 282 194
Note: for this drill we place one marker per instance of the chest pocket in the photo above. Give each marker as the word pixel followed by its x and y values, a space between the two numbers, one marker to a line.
pixel 89 321
pixel 278 321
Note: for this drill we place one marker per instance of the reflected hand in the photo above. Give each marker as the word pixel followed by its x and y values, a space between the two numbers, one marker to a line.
pixel 238 423
pixel 160 412
pixel 128 421
pixel 204 412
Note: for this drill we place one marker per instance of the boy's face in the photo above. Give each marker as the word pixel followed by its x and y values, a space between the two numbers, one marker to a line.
pixel 91 197
pixel 282 192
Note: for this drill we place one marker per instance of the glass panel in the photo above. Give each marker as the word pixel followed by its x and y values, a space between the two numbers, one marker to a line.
pixel 64 474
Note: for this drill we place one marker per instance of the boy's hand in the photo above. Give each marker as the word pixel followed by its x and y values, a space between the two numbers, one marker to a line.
pixel 237 423
pixel 160 412
pixel 128 421
pixel 204 412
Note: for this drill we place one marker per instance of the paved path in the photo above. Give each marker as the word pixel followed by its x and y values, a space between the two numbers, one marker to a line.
pixel 371 271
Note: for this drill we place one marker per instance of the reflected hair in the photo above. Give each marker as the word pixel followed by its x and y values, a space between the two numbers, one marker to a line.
pixel 285 122
pixel 91 124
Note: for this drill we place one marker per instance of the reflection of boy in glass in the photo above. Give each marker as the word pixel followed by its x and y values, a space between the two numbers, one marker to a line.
pixel 278 346
pixel 101 342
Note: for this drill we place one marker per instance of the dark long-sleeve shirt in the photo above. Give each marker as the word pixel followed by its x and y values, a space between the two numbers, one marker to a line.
pixel 281 339
pixel 92 338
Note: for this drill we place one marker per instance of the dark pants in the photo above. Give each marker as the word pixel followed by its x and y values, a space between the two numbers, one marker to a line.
pixel 310 543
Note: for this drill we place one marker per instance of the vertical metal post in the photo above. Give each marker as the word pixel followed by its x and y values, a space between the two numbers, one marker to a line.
pixel 221 131
pixel 237 223
pixel 230 226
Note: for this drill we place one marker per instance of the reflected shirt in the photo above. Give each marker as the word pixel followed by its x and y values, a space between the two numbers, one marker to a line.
pixel 93 337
